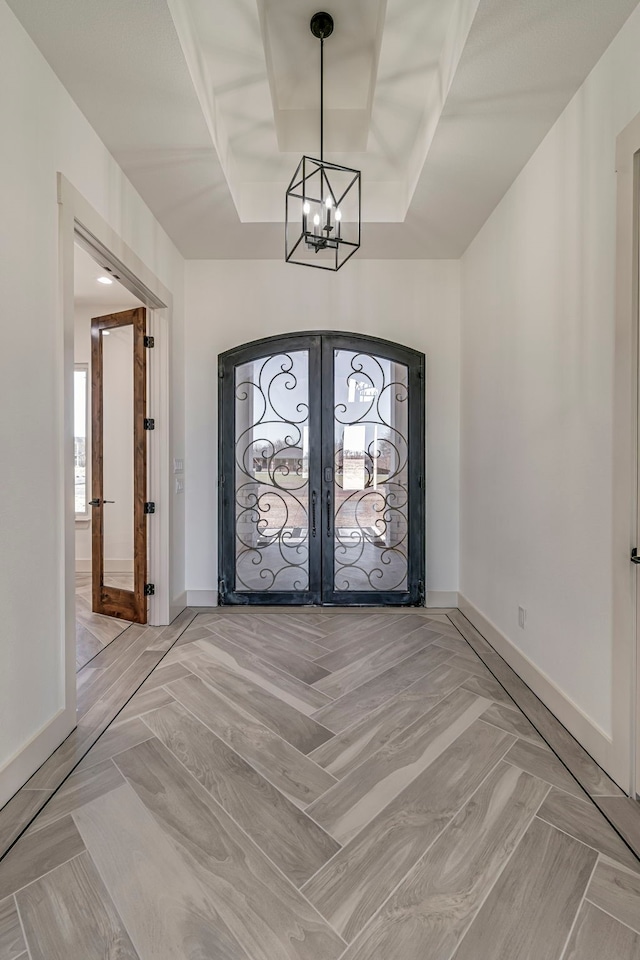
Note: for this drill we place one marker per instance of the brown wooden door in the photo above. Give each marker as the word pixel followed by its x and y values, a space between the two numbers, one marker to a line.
pixel 119 464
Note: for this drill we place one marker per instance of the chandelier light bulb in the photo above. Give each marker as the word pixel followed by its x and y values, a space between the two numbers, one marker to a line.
pixel 338 213
pixel 306 209
pixel 316 220
pixel 328 203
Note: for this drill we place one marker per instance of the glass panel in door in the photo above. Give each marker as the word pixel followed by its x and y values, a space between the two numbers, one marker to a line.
pixel 370 474
pixel 271 481
pixel 117 453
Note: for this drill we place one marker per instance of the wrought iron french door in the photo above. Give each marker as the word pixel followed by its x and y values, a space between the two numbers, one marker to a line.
pixel 321 493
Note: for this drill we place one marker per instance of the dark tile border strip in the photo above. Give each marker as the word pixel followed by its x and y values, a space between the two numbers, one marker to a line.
pixel 25 805
pixel 622 813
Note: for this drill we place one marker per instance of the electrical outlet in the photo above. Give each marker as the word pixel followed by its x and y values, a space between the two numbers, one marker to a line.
pixel 179 485
pixel 522 617
pixel 178 466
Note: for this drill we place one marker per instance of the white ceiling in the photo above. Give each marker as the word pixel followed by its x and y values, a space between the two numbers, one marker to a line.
pixel 101 297
pixel 208 105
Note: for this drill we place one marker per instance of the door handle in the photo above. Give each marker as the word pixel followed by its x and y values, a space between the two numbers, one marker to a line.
pixel 314 497
pixel 108 501
pixel 94 503
pixel 328 513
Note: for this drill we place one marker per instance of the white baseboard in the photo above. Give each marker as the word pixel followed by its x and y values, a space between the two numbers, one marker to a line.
pixel 202 598
pixel 442 598
pixel 112 565
pixel 23 764
pixel 592 737
pixel 177 605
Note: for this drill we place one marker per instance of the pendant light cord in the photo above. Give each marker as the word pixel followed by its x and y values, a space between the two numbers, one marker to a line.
pixel 321 99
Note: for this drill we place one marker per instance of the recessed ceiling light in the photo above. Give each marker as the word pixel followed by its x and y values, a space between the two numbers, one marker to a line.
pixel 105 280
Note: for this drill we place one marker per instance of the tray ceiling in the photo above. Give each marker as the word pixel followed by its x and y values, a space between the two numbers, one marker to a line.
pixel 208 106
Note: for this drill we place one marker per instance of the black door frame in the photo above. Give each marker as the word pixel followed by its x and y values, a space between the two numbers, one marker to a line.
pixel 321 345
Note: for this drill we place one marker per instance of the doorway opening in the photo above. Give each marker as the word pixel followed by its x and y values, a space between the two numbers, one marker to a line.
pixel 322 451
pixel 104 455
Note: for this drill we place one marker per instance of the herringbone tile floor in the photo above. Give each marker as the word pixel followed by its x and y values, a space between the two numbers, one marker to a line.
pixel 315 785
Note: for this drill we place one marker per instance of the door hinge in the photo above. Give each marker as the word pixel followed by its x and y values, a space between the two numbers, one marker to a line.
pixel 220 371
pixel 149 589
pixel 421 482
pixel 634 556
pixel 149 507
pixel 149 341
pixel 149 423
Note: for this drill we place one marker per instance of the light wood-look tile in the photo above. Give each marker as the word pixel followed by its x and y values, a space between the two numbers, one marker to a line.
pixel 262 640
pixel 617 892
pixel 164 674
pixel 513 721
pixel 80 788
pixel 295 727
pixel 115 740
pixel 12 943
pixel 289 838
pixel 625 814
pixel 264 912
pixel 356 799
pixel 371 665
pixel 38 852
pixel 597 935
pixel 351 887
pixel 489 688
pixel 435 903
pixel 357 704
pixel 16 814
pixel 592 778
pixel 69 915
pixel 290 771
pixel 389 631
pixel 345 627
pixel 109 665
pixel 582 820
pixel 348 750
pixel 86 645
pixel 472 664
pixel 141 703
pixel 202 814
pixel 530 910
pixel 453 642
pixel 543 764
pixel 293 691
pixel 167 910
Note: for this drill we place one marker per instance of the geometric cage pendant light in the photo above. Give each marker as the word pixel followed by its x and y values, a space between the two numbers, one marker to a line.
pixel 323 202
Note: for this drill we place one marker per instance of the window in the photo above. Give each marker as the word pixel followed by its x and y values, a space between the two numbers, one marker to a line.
pixel 80 417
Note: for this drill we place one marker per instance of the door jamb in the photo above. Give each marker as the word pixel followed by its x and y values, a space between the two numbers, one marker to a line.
pixel 624 760
pixel 79 221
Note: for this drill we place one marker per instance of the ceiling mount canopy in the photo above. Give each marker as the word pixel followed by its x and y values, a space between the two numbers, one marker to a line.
pixel 323 202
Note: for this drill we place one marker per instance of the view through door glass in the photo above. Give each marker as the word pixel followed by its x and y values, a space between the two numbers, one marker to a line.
pixel 371 480
pixel 272 473
pixel 117 456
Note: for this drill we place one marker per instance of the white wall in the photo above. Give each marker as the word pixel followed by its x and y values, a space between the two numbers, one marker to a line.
pixel 229 303
pixel 44 132
pixel 538 301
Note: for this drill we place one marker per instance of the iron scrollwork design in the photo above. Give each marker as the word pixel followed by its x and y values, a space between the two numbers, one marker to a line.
pixel 271 489
pixel 371 509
